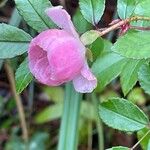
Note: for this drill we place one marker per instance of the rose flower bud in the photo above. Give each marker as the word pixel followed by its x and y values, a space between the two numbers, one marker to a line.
pixel 57 56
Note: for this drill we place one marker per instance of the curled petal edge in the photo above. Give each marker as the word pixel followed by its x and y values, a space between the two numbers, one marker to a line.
pixel 85 82
pixel 62 19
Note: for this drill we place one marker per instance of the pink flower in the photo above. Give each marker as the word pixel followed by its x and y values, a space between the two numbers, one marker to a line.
pixel 57 56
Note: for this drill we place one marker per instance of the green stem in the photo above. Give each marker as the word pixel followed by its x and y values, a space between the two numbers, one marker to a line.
pixel 98 123
pixel 140 141
pixel 69 125
pixel 90 128
pixel 64 121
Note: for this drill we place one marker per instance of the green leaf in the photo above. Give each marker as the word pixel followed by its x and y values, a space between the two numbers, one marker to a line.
pixel 129 75
pixel 126 8
pixel 137 96
pixel 49 113
pixel 33 12
pixel 148 147
pixel 129 8
pixel 133 45
pixel 80 23
pixel 142 8
pixel 89 37
pixel 97 48
pixel 144 143
pixel 56 94
pixel 55 111
pixel 118 148
pixel 15 143
pixel 123 115
pixel 38 141
pixel 107 67
pixel 92 10
pixel 23 76
pixel 144 78
pixel 1 63
pixel 13 41
pixel 2 104
pixel 107 46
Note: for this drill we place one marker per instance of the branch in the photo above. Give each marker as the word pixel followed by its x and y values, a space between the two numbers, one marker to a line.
pixel 122 22
pixel 11 79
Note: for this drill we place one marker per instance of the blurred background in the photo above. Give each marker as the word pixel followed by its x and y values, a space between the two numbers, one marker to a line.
pixel 43 105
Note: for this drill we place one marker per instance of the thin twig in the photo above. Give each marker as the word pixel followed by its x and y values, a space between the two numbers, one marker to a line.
pixel 140 28
pixel 11 79
pixel 139 141
pixel 122 22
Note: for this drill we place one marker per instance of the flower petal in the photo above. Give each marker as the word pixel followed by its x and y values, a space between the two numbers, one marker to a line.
pixel 62 19
pixel 85 82
pixel 66 58
pixel 46 38
pixel 39 65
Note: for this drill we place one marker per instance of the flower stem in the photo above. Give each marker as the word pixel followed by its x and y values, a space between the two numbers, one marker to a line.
pixel 122 22
pixel 11 79
pixel 69 125
pixel 98 122
pixel 140 28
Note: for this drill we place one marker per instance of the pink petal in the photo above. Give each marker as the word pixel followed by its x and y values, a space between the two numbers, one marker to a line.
pixel 46 38
pixel 62 19
pixel 39 65
pixel 66 58
pixel 85 82
pixel 55 57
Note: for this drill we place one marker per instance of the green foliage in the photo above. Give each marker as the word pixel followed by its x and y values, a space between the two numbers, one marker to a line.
pixel 144 78
pixel 133 45
pixel 148 145
pixel 56 94
pixel 107 67
pixel 1 105
pixel 50 113
pixel 129 74
pixel 89 37
pixel 127 58
pixel 118 148
pixel 80 23
pixel 37 142
pixel 145 142
pixel 23 76
pixel 122 115
pixel 55 111
pixel 128 8
pixel 95 43
pixel 137 96
pixel 97 47
pixel 34 14
pixel 1 63
pixel 13 41
pixel 142 8
pixel 92 10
